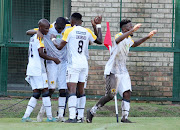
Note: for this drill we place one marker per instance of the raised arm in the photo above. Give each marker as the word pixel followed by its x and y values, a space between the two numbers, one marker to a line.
pixel 140 41
pixel 98 33
pixel 126 34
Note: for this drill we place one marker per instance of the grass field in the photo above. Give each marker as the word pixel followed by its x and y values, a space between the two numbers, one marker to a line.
pixel 99 123
pixel 148 116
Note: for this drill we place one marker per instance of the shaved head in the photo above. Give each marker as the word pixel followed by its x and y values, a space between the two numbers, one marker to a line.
pixel 44 26
pixel 43 22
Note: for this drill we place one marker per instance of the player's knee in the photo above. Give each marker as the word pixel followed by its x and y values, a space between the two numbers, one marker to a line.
pixel 36 95
pixel 62 94
pixel 45 94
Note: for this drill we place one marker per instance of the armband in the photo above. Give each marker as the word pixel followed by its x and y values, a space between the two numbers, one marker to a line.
pixel 98 25
pixel 53 39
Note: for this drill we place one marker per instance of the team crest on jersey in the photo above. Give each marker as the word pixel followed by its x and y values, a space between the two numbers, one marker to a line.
pixel 46 81
pixel 52 82
pixel 58 36
pixel 113 90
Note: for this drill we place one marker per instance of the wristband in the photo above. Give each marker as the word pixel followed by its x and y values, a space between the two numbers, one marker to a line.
pixel 98 25
pixel 53 39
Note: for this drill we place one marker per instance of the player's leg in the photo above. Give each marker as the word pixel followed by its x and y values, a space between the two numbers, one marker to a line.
pixel 62 87
pixel 81 102
pixel 33 100
pixel 47 105
pixel 72 76
pixel 110 84
pixel 125 92
pixel 51 75
pixel 31 105
pixel 61 104
pixel 81 95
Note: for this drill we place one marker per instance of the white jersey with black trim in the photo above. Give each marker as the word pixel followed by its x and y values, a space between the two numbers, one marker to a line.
pixel 35 65
pixel 77 39
pixel 50 48
pixel 118 55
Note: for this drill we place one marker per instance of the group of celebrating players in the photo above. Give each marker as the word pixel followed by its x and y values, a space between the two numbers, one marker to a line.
pixel 64 46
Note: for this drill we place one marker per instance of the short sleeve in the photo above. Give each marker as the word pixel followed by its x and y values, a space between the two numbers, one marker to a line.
pixel 92 37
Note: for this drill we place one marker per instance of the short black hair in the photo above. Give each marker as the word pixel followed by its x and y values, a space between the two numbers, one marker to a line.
pixel 76 16
pixel 124 22
pixel 61 22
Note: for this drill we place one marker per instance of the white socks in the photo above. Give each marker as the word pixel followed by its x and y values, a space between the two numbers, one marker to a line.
pixel 31 105
pixel 80 106
pixel 47 106
pixel 61 102
pixel 125 105
pixel 42 109
pixel 94 109
pixel 72 106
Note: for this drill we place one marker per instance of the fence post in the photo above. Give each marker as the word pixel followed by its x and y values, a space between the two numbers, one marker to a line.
pixel 176 69
pixel 4 27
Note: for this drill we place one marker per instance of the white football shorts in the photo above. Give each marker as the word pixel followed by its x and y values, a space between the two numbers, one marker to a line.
pixel 75 75
pixel 38 82
pixel 123 83
pixel 56 75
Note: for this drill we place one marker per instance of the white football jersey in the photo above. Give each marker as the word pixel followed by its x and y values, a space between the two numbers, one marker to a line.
pixel 50 48
pixel 35 65
pixel 77 39
pixel 118 55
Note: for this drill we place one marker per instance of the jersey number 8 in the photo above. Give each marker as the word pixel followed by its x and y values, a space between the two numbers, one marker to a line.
pixel 80 46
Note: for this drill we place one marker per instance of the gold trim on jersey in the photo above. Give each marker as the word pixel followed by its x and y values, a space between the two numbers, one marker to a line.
pixel 66 33
pixel 93 35
pixel 68 25
pixel 119 34
pixel 36 29
pixel 41 42
pixel 51 26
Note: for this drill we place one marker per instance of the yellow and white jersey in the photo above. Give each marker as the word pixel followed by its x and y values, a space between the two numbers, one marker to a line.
pixel 77 39
pixel 35 65
pixel 118 55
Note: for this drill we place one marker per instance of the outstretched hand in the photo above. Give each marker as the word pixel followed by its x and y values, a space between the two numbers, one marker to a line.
pixel 151 34
pixel 136 27
pixel 97 20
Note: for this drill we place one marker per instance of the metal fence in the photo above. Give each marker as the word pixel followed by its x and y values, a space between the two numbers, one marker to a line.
pixel 18 16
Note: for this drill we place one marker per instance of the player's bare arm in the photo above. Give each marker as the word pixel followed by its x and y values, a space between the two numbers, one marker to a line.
pixel 98 21
pixel 32 32
pixel 46 57
pixel 140 41
pixel 94 26
pixel 126 34
pixel 62 44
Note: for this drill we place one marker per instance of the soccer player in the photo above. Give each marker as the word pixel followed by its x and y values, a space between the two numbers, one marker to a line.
pixel 36 73
pixel 77 39
pixel 56 73
pixel 116 73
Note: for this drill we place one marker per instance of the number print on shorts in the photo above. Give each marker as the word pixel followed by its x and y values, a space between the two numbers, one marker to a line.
pixel 80 46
